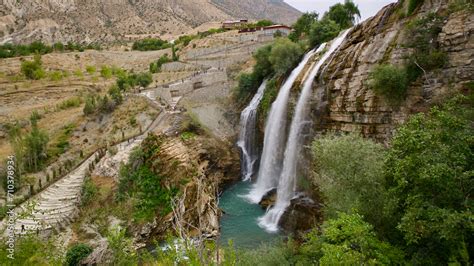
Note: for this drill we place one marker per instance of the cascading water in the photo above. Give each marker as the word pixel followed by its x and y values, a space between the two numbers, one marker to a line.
pixel 246 141
pixel 272 155
pixel 287 183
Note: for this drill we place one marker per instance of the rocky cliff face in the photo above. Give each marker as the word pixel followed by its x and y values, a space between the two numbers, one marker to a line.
pixel 107 21
pixel 342 99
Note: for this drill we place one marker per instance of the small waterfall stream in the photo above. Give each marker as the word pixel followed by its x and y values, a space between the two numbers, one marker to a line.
pixel 275 130
pixel 246 142
pixel 287 183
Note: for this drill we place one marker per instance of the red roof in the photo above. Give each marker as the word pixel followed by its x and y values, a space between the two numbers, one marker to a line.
pixel 277 27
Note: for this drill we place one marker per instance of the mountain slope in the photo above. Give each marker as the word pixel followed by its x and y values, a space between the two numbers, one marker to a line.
pixel 275 10
pixel 108 21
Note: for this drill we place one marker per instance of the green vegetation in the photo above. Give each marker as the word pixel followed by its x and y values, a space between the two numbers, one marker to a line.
pixel 72 102
pixel 390 82
pixel 150 44
pixel 30 250
pixel 37 47
pixel 33 69
pixel 77 253
pixel 142 184
pixel 427 55
pixel 413 5
pixel 339 17
pixel 89 192
pixel 188 135
pixel 270 94
pixel 91 70
pixel 131 80
pixel 106 72
pixel 284 56
pixel 429 171
pixel 349 173
pixel 415 195
pixel 155 67
pixel 277 59
pixel 302 26
pixel 56 75
pixel 61 144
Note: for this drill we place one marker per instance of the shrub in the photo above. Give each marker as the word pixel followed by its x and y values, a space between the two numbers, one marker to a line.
pixel 155 67
pixel 89 192
pixel 270 94
pixel 33 69
pixel 284 55
pixel 115 94
pixel 349 240
pixel 56 75
pixel 70 103
pixel 77 253
pixel 150 44
pixel 106 72
pixel 413 5
pixel 390 82
pixel 90 106
pixel 91 70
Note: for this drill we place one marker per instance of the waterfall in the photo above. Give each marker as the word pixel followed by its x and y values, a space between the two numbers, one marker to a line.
pixel 246 141
pixel 287 183
pixel 273 144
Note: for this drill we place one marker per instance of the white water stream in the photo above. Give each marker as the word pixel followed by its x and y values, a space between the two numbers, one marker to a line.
pixel 286 189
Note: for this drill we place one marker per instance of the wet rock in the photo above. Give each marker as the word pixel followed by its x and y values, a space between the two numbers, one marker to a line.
pixel 269 199
pixel 302 215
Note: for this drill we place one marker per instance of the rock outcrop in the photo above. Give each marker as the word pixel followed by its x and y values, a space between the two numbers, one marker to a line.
pixel 342 100
pixel 202 166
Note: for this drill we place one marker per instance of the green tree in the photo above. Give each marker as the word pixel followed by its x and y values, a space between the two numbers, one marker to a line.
pixel 344 15
pixel 284 55
pixel 349 173
pixel 323 31
pixel 263 67
pixel 430 172
pixel 36 142
pixel 302 26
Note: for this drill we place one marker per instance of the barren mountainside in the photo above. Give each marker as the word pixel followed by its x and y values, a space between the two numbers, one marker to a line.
pixel 111 20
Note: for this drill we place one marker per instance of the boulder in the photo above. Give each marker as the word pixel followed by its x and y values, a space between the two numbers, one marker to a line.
pixel 302 215
pixel 269 199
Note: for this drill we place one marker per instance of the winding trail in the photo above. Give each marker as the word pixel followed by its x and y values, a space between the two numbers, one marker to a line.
pixel 58 205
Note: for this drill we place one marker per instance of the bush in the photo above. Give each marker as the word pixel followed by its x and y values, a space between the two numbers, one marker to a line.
pixel 390 82
pixel 269 96
pixel 284 55
pixel 115 94
pixel 155 67
pixel 77 253
pixel 349 173
pixel 106 72
pixel 91 70
pixel 413 5
pixel 89 192
pixel 303 25
pixel 33 69
pixel 90 106
pixel 349 240
pixel 70 103
pixel 150 44
pixel 323 31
